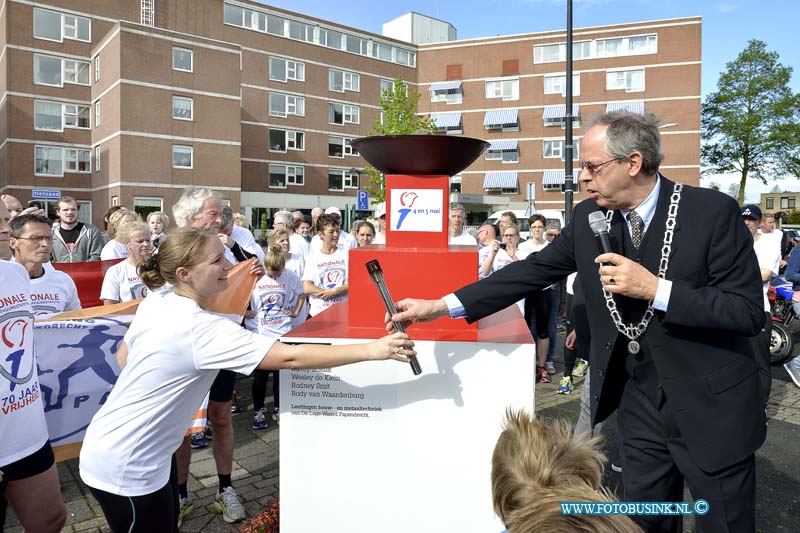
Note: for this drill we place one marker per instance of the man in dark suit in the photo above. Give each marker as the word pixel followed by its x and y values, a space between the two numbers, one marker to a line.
pixel 682 377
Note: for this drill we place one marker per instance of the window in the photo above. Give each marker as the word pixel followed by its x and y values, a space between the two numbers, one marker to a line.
pixel 49 161
pixel 275 25
pixel 387 86
pixel 451 95
pixel 618 46
pixel 630 80
pixel 341 81
pixel 562 122
pixel 506 155
pixel 97 69
pixel 330 38
pixel 282 105
pixel 77 160
pixel 182 59
pixel 97 158
pixel 340 179
pixel 283 140
pixel 342 113
pixel 182 156
pixel 301 31
pixel 282 175
pixel 554 148
pixel 787 202
pixel 182 108
pixel 48 116
pixel 356 45
pixel 770 203
pixel 558 84
pixel 382 51
pixel 644 44
pixel 339 147
pixel 580 50
pixel 55 26
pixel 455 183
pixel 76 72
pixel 47 70
pixel 505 89
pixel 76 116
pixel 609 47
pixel 144 205
pixel 97 114
pixel 281 69
pixel 233 15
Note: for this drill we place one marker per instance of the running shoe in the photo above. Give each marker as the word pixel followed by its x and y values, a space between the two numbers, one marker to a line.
pixel 550 367
pixel 564 386
pixel 580 368
pixel 186 508
pixel 276 413
pixel 260 419
pixel 229 505
pixel 198 440
pixel 542 376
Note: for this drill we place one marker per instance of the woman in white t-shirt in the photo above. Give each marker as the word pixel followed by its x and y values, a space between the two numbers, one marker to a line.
pixel 295 262
pixel 28 478
pixel 276 301
pixel 325 276
pixel 169 358
pixel 115 248
pixel 121 282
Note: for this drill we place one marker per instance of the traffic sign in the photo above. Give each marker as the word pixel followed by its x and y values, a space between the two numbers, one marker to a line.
pixel 363 200
pixel 45 194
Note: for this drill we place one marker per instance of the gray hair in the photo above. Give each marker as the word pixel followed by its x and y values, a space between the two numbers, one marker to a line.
pixel 455 206
pixel 630 132
pixel 285 217
pixel 190 204
pixel 226 217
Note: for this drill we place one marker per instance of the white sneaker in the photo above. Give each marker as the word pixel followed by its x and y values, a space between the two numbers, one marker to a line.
pixel 276 413
pixel 550 367
pixel 794 373
pixel 229 505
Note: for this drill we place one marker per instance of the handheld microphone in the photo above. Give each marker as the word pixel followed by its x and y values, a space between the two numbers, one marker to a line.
pixel 597 221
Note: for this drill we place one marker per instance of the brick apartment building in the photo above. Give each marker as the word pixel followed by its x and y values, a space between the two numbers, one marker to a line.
pixel 129 102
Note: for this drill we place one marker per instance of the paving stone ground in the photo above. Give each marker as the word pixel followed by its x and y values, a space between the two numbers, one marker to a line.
pixel 256 465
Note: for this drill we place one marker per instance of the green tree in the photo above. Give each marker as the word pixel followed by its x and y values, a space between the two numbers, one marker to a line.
pixel 399 113
pixel 750 125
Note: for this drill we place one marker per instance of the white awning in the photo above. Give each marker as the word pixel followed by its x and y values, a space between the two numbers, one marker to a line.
pixel 560 111
pixel 503 144
pixel 500 117
pixel 445 86
pixel 633 106
pixel 556 177
pixel 446 120
pixel 500 180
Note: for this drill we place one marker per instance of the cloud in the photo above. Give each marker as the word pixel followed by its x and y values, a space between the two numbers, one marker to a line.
pixel 727 7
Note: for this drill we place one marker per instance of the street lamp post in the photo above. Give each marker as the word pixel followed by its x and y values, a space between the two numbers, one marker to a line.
pixel 568 181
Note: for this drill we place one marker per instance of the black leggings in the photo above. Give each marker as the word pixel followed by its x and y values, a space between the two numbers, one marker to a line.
pixel 537 312
pixel 260 388
pixel 157 511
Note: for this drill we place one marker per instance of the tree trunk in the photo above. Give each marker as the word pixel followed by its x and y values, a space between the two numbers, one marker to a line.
pixel 742 184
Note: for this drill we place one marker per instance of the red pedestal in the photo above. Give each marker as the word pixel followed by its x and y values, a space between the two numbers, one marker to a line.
pixel 409 273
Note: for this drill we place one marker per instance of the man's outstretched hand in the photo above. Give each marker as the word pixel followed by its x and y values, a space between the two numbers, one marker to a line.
pixel 410 311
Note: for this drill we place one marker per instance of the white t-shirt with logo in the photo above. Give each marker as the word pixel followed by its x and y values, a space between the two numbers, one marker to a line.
pixel 270 300
pixel 299 246
pixel 175 350
pixel 23 429
pixel 122 283
pixel 52 293
pixel 114 250
pixel 465 239
pixel 326 271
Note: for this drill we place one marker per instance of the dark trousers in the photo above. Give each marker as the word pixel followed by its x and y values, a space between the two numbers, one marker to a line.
pixel 656 463
pixel 154 512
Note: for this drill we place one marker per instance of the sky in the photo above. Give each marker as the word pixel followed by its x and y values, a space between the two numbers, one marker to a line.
pixel 727 27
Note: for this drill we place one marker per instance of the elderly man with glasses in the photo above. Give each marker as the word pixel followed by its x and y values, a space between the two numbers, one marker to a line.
pixel 671 311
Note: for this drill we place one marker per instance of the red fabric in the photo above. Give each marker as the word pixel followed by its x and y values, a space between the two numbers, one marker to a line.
pixel 88 277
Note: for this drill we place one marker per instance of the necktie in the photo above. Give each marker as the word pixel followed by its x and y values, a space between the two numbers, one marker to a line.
pixel 637 228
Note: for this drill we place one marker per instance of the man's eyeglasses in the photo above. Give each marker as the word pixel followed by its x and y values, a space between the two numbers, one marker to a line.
pixel 44 239
pixel 595 169
pixel 507 235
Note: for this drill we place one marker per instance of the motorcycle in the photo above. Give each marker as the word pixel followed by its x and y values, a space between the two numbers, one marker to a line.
pixel 781 342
